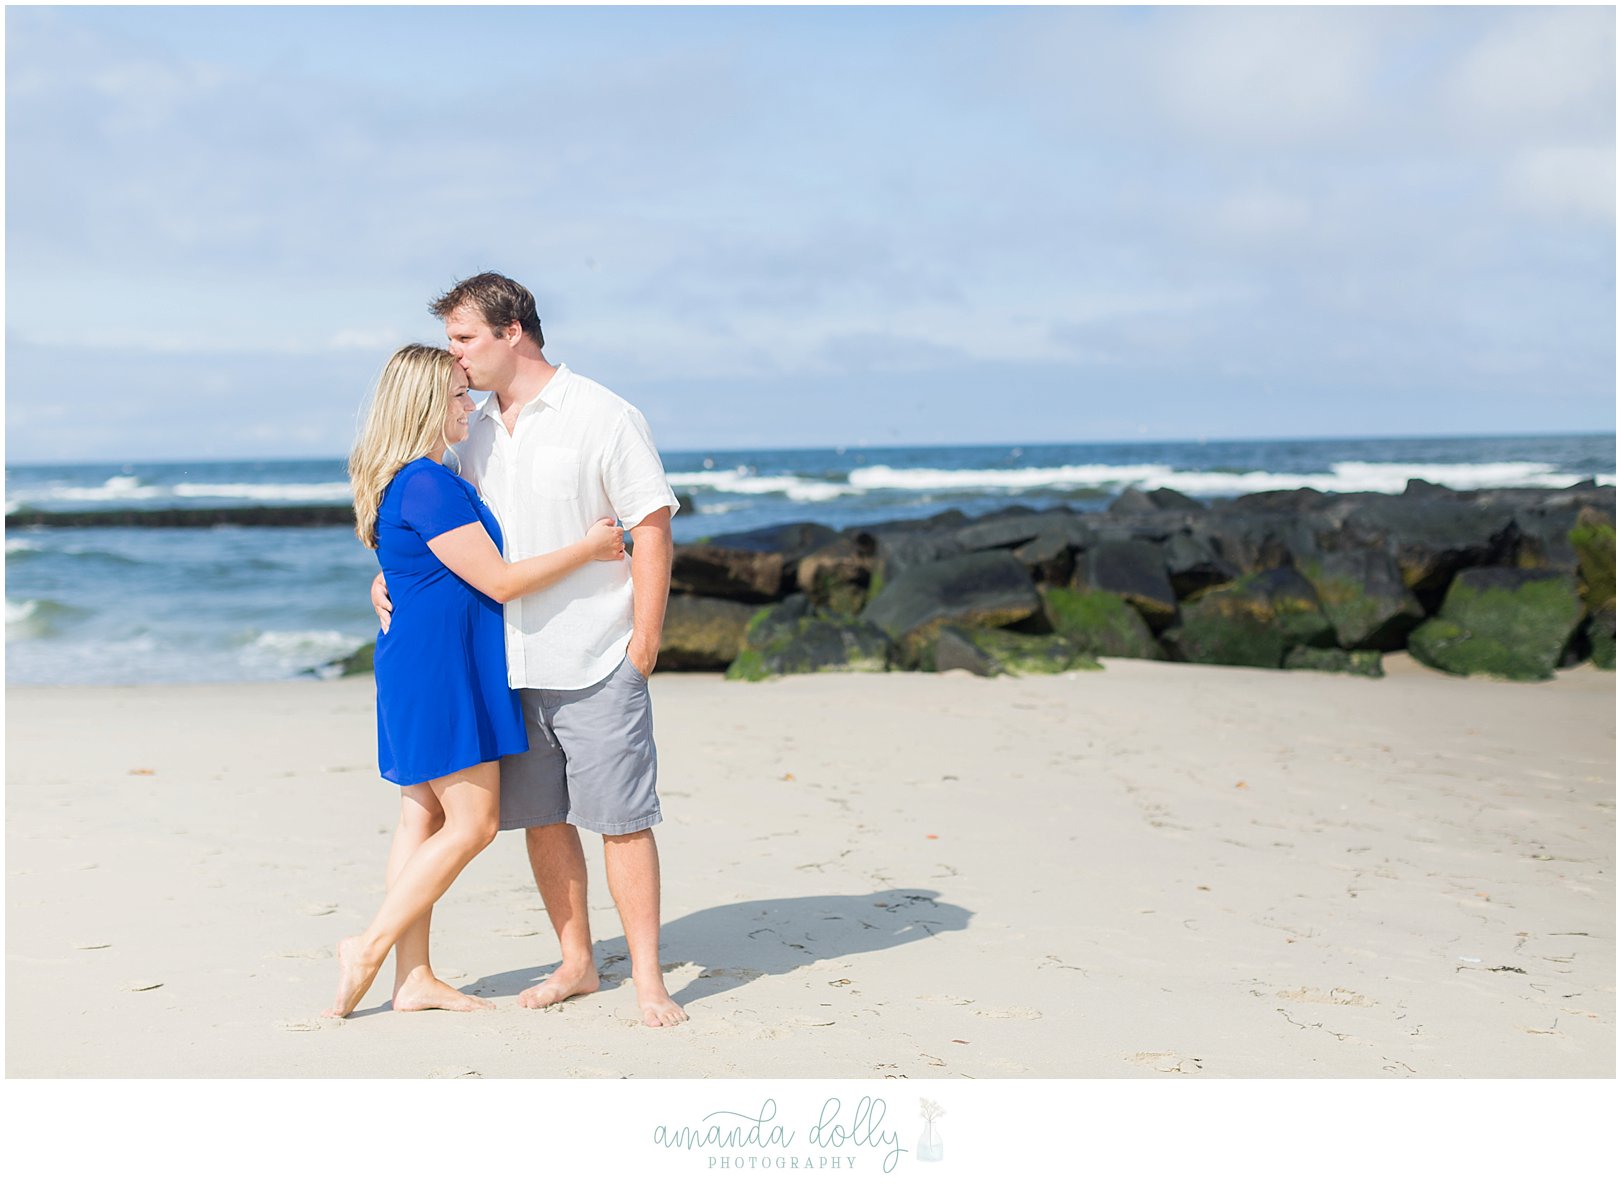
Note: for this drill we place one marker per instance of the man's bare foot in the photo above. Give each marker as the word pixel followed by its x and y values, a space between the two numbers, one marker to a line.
pixel 658 1008
pixel 563 983
pixel 421 991
pixel 354 978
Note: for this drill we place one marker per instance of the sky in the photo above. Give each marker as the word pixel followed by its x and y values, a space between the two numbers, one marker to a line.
pixel 774 227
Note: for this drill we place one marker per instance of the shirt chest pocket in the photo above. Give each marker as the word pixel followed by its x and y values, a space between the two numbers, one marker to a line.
pixel 555 472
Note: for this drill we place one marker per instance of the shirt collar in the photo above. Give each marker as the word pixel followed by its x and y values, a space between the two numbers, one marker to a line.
pixel 556 389
pixel 553 394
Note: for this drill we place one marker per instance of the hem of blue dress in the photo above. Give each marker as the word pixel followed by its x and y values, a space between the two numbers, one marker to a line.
pixel 407 782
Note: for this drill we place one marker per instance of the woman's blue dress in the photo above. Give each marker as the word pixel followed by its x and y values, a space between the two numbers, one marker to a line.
pixel 442 698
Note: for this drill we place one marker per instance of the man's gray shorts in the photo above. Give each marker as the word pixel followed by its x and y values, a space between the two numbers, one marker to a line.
pixel 591 760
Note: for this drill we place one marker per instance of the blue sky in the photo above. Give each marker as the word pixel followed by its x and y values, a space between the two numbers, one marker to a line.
pixel 816 226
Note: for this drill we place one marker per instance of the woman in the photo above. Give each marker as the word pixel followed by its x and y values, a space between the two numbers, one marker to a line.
pixel 444 712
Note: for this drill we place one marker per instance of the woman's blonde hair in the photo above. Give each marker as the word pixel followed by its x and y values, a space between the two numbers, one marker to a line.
pixel 406 421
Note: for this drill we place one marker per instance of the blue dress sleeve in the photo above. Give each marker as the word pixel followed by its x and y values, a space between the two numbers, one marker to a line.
pixel 433 502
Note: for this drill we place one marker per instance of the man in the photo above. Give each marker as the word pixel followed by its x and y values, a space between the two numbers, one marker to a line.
pixel 552 452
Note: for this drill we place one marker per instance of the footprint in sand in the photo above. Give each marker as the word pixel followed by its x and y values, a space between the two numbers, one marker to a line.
pixel 1007 1013
pixel 1335 997
pixel 736 975
pixel 1167 1062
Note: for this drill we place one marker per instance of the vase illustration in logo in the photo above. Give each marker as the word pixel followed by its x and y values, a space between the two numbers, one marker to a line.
pixel 930 1147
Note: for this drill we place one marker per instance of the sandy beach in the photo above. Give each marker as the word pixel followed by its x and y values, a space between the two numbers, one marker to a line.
pixel 1152 871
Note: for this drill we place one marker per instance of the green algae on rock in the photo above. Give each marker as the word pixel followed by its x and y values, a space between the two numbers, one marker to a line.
pixel 1594 542
pixel 1362 595
pixel 1100 623
pixel 779 642
pixel 1501 621
pixel 701 633
pixel 1252 622
pixel 988 651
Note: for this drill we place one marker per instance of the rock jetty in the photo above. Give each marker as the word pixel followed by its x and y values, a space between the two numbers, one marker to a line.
pixel 1513 583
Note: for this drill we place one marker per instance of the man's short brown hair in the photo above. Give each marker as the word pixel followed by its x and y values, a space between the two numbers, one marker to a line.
pixel 499 300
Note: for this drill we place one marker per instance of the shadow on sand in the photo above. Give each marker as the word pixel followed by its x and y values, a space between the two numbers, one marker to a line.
pixel 736 943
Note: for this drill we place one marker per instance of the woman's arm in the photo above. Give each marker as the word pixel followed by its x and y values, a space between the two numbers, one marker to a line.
pixel 470 554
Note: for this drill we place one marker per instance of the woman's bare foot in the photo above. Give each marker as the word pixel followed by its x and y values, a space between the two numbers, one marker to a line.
pixel 658 1008
pixel 421 991
pixel 563 983
pixel 354 978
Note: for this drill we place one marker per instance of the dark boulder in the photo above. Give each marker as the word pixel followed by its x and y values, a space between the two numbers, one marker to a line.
pixel 867 534
pixel 1255 541
pixel 1421 487
pixel 953 651
pixel 1133 569
pixel 740 575
pixel 1166 499
pixel 837 576
pixel 1362 594
pixel 1430 539
pixel 1513 623
pixel 1044 541
pixel 1193 562
pixel 1543 538
pixel 1295 502
pixel 896 552
pixel 1101 624
pixel 905 544
pixel 1254 621
pixel 1133 500
pixel 792 541
pixel 1049 558
pixel 701 634
pixel 976 590
pixel 1011 531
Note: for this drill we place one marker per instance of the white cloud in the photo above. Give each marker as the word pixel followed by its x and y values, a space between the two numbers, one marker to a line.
pixel 1535 70
pixel 1266 76
pixel 1565 180
pixel 1262 213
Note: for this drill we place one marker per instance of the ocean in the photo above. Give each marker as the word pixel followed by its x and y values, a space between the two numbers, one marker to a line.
pixel 151 605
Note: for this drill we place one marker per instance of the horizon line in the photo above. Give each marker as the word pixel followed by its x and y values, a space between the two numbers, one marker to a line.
pixel 847 446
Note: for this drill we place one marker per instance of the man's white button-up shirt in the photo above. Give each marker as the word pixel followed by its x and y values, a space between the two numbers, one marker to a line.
pixel 578 453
